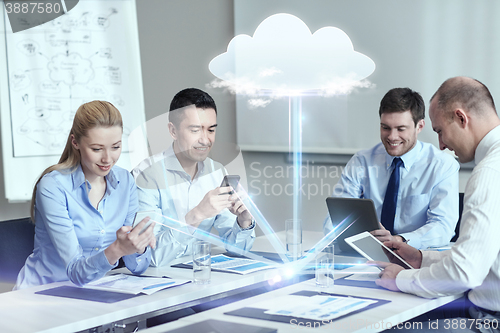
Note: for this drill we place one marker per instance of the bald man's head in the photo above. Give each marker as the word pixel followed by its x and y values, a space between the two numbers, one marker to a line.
pixel 462 112
pixel 465 93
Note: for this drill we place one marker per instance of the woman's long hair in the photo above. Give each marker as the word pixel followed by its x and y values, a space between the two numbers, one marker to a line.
pixel 88 116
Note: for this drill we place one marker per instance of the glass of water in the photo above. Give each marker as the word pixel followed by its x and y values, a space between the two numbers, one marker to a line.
pixel 202 261
pixel 293 229
pixel 325 267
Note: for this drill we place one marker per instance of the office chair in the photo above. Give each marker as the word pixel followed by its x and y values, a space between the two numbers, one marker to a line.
pixel 16 244
pixel 460 209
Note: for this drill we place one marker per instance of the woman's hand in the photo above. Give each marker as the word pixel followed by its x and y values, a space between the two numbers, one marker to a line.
pixel 129 241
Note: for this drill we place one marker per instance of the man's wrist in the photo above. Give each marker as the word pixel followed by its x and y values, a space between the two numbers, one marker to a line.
pixel 402 239
pixel 247 225
pixel 193 217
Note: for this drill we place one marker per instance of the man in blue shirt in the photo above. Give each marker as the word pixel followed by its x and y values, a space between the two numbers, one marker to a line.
pixel 183 183
pixel 426 199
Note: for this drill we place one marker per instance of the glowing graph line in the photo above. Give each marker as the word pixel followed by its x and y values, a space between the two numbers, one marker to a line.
pixel 294 266
pixel 206 236
pixel 298 265
pixel 265 227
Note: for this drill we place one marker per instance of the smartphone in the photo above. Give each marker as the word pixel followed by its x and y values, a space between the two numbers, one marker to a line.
pixel 230 180
pixel 139 216
pixel 372 249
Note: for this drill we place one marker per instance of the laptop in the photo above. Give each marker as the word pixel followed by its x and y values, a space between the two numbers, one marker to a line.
pixel 351 216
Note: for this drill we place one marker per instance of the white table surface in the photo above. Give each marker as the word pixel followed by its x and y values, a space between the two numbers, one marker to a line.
pixel 401 308
pixel 24 311
pixel 59 314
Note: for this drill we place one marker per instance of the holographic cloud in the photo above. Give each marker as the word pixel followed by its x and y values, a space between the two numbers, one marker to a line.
pixel 283 56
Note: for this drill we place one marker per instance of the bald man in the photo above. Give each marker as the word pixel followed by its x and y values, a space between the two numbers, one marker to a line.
pixel 463 115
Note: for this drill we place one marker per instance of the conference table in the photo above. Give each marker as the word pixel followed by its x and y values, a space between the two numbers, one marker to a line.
pixel 400 308
pixel 26 311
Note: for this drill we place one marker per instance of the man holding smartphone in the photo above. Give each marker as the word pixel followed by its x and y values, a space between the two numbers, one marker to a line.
pixel 184 184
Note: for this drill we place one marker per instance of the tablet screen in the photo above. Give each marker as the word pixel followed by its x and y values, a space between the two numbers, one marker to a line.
pixel 371 248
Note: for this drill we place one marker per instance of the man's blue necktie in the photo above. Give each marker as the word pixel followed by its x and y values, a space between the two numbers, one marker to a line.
pixel 391 197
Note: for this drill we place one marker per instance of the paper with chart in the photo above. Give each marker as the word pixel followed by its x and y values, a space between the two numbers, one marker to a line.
pixel 316 307
pixel 227 264
pixel 87 54
pixel 132 284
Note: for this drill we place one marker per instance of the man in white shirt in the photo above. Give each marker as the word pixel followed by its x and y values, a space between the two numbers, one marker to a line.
pixel 463 115
pixel 183 183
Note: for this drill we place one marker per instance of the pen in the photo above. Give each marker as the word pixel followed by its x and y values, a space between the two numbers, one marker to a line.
pixel 158 285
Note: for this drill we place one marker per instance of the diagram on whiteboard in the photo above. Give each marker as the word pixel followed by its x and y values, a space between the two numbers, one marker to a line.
pixel 79 57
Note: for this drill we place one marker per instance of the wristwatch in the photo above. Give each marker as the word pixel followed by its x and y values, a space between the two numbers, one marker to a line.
pixel 250 227
pixel 404 239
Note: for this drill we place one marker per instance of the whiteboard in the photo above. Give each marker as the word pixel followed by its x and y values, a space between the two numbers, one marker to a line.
pixel 91 52
pixel 415 44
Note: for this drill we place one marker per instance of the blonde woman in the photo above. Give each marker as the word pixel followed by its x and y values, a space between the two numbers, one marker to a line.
pixel 83 207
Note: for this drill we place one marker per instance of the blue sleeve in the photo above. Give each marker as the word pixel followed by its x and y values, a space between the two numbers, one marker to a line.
pixel 51 205
pixel 231 233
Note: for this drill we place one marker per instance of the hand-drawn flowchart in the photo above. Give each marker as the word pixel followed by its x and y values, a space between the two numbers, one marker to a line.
pixel 84 55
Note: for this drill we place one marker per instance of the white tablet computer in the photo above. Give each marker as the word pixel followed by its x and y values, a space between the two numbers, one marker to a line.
pixel 139 216
pixel 372 249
